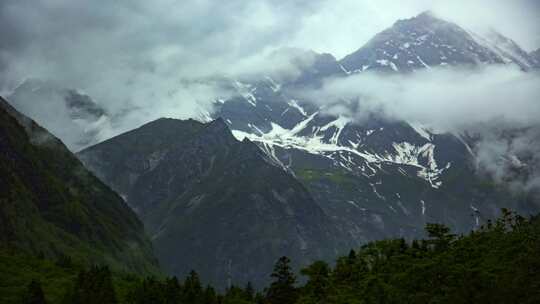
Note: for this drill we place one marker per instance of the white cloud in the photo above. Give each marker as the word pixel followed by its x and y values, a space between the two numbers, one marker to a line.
pixel 446 98
pixel 498 104
pixel 341 27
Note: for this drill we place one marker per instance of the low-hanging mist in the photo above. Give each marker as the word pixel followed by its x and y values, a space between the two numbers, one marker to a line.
pixel 497 106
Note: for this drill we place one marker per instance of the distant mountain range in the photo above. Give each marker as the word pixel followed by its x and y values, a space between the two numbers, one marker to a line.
pixel 270 173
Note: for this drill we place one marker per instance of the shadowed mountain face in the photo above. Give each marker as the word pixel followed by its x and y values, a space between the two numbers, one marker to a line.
pixel 382 178
pixel 50 204
pixel 212 203
pixel 376 180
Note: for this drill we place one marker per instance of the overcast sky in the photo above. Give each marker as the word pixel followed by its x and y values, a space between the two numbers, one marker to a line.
pixel 339 27
pixel 127 53
pixel 138 53
pixel 79 41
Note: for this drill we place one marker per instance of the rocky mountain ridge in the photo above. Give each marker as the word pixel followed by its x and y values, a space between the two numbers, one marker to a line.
pixel 359 172
pixel 213 203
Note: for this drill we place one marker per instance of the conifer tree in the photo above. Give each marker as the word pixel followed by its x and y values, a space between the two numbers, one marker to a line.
pixel 93 286
pixel 192 292
pixel 34 294
pixel 440 236
pixel 282 289
pixel 319 280
pixel 249 292
pixel 172 291
pixel 352 256
pixel 210 296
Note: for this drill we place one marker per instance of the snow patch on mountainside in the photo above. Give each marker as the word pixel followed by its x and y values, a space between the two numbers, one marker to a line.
pixel 273 85
pixel 294 103
pixel 338 124
pixel 506 49
pixel 246 91
pixel 421 157
pixel 421 129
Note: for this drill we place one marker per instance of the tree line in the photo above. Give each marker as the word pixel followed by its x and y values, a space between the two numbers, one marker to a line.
pixel 499 263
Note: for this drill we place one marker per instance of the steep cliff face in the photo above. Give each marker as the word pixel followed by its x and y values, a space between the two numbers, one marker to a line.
pixel 377 179
pixel 50 204
pixel 212 203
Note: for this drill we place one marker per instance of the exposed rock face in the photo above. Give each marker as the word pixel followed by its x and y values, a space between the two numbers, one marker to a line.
pixel 381 178
pixel 375 180
pixel 212 203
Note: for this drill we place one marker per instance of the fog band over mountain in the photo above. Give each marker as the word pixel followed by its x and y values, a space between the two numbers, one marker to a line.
pixel 446 98
pixel 470 101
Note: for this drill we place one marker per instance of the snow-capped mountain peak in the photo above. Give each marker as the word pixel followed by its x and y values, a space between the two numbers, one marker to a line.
pixel 426 41
pixel 379 173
